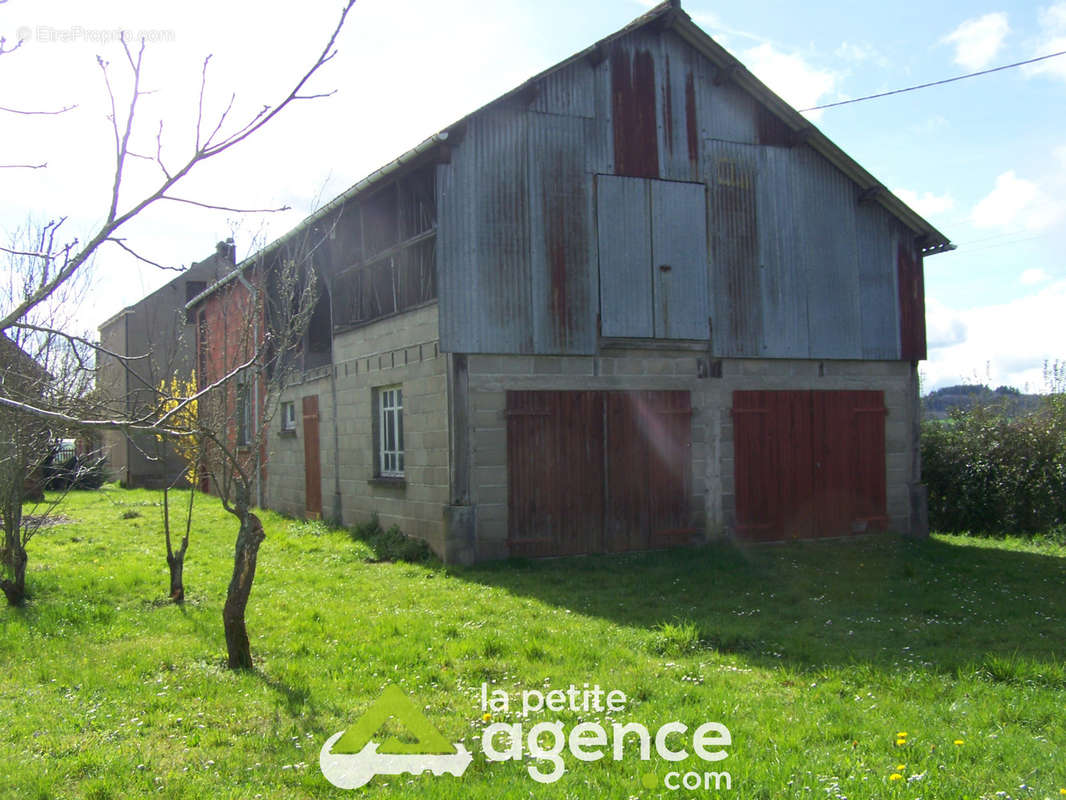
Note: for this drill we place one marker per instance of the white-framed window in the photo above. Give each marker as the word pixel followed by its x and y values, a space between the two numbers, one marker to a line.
pixel 390 431
pixel 288 416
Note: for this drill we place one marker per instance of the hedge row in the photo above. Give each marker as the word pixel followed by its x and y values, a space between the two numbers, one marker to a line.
pixel 989 473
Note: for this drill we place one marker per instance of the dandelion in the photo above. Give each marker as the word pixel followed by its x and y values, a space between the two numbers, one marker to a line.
pixel 900 767
pixel 895 776
pixel 901 735
pixel 1062 791
pixel 486 717
pixel 900 742
pixel 959 742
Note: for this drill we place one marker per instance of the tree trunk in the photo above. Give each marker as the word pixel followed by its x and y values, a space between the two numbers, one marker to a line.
pixel 176 562
pixel 249 538
pixel 15 588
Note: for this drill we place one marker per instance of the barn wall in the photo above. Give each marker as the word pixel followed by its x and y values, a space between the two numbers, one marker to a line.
pixel 798 264
pixel 490 377
pixel 403 350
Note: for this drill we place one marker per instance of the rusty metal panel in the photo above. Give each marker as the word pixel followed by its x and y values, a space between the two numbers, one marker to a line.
pixel 911 304
pixel 312 459
pixel 679 144
pixel 634 116
pixel 783 283
pixel 878 295
pixel 825 208
pixel 625 256
pixel 484 274
pixel 679 259
pixel 735 278
pixel 563 266
pixel 726 112
pixel 569 91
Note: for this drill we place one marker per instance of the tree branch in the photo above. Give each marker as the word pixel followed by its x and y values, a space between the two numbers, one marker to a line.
pixel 214 207
pixel 122 243
pixel 73 260
pixel 23 112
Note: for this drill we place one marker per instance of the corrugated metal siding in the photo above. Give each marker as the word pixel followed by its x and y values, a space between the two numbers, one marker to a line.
pixel 911 303
pixel 826 210
pixel 635 118
pixel 625 257
pixel 736 280
pixel 679 259
pixel 563 258
pixel 484 239
pixel 797 268
pixel 570 91
pixel 726 112
pixel 784 282
pixel 679 144
pixel 878 296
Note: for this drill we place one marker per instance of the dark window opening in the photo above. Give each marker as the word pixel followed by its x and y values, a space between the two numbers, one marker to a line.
pixel 319 337
pixel 192 289
pixel 398 269
pixel 380 222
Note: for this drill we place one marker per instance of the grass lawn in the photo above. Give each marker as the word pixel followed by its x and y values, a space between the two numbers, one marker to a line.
pixel 815 656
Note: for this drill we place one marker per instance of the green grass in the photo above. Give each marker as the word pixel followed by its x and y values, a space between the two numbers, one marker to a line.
pixel 814 655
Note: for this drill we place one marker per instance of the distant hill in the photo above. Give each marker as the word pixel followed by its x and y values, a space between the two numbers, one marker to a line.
pixel 937 404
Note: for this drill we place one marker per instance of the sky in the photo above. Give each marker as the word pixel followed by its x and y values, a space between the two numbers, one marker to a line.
pixel 983 159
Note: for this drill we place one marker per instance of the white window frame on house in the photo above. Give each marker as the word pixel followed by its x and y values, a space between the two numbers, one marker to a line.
pixel 288 416
pixel 390 431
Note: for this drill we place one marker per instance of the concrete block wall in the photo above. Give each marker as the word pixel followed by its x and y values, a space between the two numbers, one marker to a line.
pixel 490 376
pixel 401 350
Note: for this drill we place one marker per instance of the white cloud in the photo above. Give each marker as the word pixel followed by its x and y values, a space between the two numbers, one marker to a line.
pixel 1016 202
pixel 1031 277
pixel 860 53
pixel 1052 39
pixel 978 40
pixel 789 74
pixel 943 327
pixel 927 204
pixel 1000 344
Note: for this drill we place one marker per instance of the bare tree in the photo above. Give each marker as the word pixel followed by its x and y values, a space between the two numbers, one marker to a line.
pixel 61 260
pixel 38 367
pixel 57 261
pixel 264 319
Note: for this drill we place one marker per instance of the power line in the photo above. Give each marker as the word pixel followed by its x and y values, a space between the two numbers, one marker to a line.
pixel 936 83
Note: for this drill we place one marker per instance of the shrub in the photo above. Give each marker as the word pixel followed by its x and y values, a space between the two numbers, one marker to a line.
pixel 987 473
pixel 392 544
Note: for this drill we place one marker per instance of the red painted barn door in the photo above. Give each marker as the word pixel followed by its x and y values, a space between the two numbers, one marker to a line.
pixel 555 472
pixel 592 472
pixel 649 481
pixel 808 463
pixel 772 465
pixel 312 459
